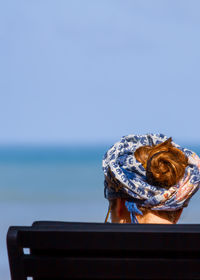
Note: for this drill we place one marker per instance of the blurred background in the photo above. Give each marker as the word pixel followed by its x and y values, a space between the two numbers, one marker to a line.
pixel 75 76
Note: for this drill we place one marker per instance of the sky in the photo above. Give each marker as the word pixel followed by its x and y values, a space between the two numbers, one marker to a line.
pixel 93 71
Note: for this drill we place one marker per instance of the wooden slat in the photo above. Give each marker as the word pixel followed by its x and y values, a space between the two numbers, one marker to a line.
pixel 78 268
pixel 62 240
pixel 153 254
pixel 104 227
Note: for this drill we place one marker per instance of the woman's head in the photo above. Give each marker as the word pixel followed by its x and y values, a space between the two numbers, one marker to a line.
pixel 162 187
pixel 165 164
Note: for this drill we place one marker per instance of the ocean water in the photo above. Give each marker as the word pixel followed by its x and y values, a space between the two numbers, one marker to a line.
pixel 56 183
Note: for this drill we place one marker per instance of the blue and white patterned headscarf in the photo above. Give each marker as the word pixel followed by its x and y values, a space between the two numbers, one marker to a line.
pixel 125 177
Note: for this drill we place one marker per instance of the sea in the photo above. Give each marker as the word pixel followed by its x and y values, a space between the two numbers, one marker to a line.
pixel 57 183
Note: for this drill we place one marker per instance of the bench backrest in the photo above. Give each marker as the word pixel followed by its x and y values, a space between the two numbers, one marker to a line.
pixel 58 250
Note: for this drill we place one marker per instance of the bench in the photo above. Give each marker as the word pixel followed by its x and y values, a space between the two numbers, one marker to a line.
pixel 67 250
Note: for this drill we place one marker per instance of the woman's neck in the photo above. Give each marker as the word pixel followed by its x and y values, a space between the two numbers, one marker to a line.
pixel 151 217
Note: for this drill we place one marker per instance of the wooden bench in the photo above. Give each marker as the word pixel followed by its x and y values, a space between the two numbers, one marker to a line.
pixel 61 250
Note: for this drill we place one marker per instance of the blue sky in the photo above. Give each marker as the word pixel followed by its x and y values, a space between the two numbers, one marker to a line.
pixel 92 71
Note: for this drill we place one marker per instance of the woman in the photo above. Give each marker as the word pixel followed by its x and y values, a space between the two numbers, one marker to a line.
pixel 149 179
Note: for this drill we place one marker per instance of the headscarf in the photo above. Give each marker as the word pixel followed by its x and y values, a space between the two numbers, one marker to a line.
pixel 125 177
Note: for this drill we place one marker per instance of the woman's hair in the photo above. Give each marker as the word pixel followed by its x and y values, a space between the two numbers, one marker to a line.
pixel 165 164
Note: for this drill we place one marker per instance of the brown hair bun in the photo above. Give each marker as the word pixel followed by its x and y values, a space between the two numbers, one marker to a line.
pixel 165 164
